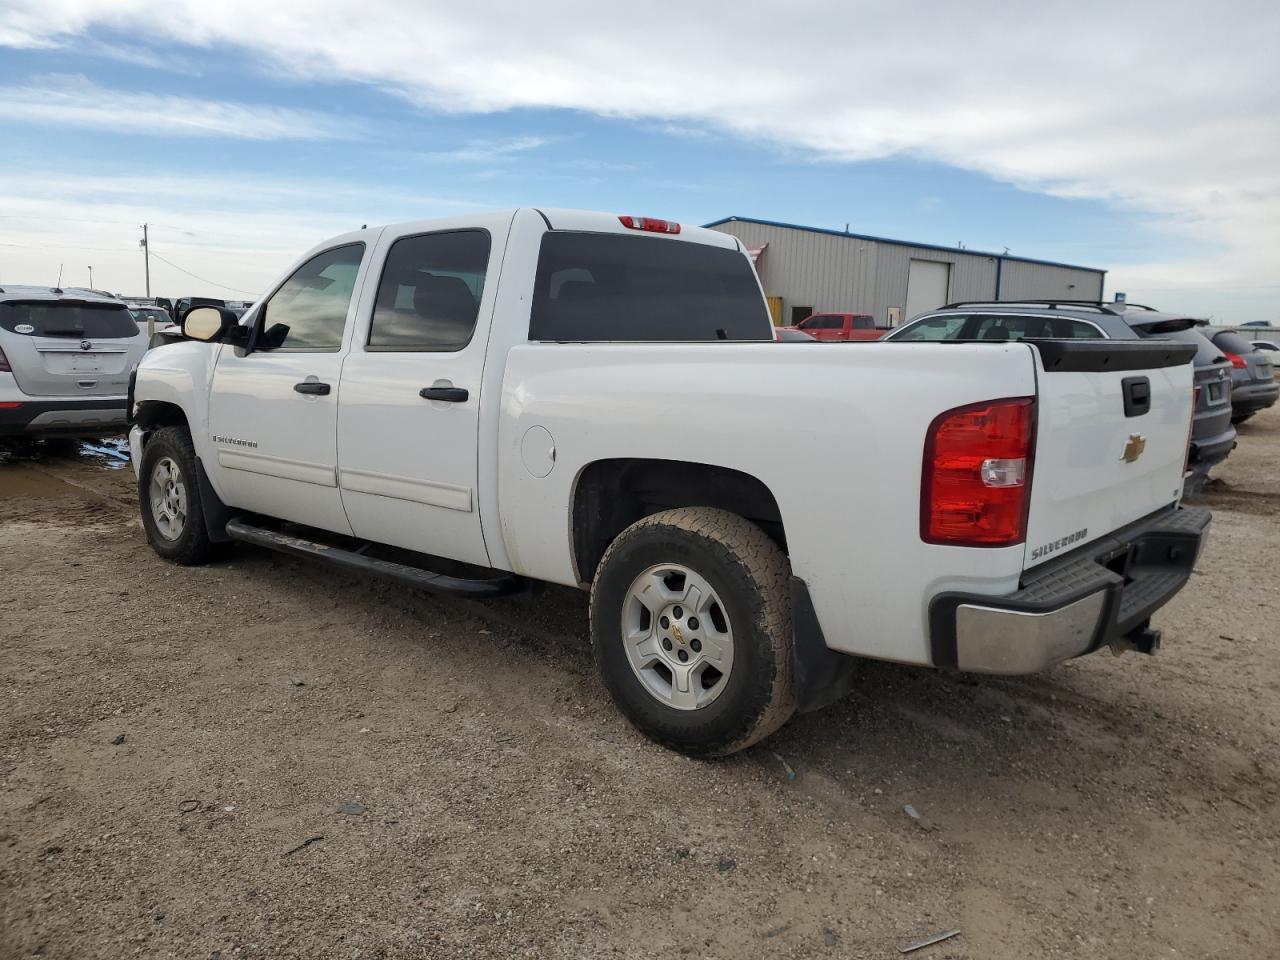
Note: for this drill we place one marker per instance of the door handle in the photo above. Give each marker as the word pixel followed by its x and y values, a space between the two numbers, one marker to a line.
pixel 312 387
pixel 448 394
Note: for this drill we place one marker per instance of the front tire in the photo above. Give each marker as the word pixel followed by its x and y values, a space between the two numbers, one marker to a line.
pixel 691 628
pixel 169 498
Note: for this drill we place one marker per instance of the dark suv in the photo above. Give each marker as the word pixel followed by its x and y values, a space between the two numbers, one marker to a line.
pixel 1253 386
pixel 1213 436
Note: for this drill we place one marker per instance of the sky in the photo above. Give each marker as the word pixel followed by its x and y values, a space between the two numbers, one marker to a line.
pixel 1142 138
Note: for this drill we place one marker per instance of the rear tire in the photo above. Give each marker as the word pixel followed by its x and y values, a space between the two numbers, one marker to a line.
pixel 651 583
pixel 169 498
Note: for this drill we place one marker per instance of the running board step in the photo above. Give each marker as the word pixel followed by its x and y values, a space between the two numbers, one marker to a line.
pixel 239 529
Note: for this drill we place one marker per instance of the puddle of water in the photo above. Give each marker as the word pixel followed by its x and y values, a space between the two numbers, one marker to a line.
pixel 112 454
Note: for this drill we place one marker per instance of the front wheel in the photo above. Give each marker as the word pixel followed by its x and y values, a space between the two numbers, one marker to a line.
pixel 691 627
pixel 169 498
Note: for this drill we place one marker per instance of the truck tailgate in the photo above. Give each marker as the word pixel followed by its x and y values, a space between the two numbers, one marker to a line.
pixel 1111 438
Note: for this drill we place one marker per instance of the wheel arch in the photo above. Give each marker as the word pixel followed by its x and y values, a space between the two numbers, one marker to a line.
pixel 152 414
pixel 610 495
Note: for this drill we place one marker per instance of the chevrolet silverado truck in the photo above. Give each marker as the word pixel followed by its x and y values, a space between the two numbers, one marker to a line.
pixel 474 404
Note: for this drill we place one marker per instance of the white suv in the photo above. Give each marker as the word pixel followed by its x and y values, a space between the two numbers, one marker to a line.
pixel 65 361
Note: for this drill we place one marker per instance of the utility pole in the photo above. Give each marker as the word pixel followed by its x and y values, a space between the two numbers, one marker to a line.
pixel 146 258
pixel 91 276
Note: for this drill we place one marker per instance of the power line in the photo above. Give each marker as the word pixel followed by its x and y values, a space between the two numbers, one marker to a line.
pixel 201 279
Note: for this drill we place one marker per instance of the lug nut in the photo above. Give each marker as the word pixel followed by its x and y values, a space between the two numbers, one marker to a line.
pixel 666 643
pixel 693 623
pixel 677 613
pixel 665 623
pixel 683 656
pixel 697 645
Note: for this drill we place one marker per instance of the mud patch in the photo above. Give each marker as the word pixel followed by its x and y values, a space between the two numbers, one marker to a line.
pixel 21 481
pixel 1221 495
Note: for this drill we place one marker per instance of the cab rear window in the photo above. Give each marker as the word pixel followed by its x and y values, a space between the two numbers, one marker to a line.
pixel 609 287
pixel 93 321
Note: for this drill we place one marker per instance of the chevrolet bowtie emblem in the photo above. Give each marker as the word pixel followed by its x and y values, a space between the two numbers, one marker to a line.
pixel 1133 449
pixel 679 635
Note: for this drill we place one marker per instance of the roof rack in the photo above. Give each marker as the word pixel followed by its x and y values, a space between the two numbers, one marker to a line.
pixel 1051 304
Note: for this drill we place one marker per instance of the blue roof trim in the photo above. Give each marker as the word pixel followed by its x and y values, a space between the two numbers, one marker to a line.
pixel 904 243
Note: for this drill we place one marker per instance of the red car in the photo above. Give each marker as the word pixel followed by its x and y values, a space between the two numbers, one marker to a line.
pixel 841 326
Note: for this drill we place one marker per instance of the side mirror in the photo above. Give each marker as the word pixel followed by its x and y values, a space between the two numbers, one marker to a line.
pixel 209 324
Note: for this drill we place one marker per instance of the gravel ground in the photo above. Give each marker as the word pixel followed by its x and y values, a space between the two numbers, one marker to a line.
pixel 262 758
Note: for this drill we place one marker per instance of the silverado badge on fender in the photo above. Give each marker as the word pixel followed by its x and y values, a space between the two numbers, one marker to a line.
pixel 1133 449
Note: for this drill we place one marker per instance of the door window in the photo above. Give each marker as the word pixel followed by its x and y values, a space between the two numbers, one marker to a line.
pixel 313 303
pixel 823 321
pixel 429 294
pixel 1005 327
pixel 935 328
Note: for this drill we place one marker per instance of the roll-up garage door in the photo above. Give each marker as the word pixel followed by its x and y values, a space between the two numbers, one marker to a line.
pixel 927 284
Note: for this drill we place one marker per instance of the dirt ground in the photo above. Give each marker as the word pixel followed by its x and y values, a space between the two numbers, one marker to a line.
pixel 262 758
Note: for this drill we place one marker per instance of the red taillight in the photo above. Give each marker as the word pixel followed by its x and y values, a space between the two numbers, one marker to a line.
pixel 4 363
pixel 652 224
pixel 1237 361
pixel 976 486
pixel 10 405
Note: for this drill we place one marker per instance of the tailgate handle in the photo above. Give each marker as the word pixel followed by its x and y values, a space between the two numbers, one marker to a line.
pixel 1137 395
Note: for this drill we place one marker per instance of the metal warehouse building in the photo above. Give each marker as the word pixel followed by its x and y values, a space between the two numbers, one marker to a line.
pixel 806 270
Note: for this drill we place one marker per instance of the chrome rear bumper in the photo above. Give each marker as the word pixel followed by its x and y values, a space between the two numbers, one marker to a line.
pixel 1103 593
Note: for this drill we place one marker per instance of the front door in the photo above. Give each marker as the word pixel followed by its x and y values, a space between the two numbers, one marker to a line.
pixel 273 414
pixel 408 419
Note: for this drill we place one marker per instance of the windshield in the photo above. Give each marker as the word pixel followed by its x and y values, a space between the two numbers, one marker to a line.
pixel 143 314
pixel 96 321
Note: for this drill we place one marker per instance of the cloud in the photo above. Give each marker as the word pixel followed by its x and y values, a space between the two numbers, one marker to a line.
pixel 239 232
pixel 486 151
pixel 74 101
pixel 1167 109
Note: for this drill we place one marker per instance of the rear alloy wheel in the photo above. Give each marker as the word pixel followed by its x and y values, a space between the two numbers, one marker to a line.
pixel 691 627
pixel 169 498
pixel 677 636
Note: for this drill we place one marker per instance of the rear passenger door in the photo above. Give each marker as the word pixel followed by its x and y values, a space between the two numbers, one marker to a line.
pixel 408 417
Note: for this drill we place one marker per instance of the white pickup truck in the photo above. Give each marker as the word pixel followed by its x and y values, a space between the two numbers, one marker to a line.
pixel 543 395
